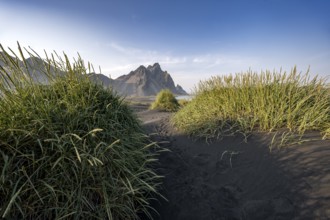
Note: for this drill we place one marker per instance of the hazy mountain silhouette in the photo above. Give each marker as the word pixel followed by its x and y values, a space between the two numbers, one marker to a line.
pixel 35 67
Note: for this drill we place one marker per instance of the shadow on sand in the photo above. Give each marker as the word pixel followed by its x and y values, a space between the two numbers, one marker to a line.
pixel 231 179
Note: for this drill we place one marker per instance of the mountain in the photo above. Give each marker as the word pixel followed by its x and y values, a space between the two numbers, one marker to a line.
pixel 36 67
pixel 146 81
pixel 101 79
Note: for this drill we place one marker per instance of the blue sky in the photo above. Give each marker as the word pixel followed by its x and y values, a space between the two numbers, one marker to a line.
pixel 191 39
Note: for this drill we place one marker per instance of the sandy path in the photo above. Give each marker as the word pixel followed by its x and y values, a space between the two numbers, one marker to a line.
pixel 230 179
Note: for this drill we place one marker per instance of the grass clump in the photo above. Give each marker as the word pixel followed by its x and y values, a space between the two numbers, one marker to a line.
pixel 246 102
pixel 69 149
pixel 165 101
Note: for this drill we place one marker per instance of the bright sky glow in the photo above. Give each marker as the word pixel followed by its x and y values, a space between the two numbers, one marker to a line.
pixel 192 40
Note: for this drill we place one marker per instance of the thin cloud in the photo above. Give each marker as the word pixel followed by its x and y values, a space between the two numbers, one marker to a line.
pixel 124 50
pixel 185 70
pixel 145 56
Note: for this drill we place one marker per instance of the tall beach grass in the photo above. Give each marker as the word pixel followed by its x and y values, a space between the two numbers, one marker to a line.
pixel 69 149
pixel 264 102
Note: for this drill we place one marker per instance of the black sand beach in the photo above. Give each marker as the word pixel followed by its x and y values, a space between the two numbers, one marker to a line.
pixel 231 179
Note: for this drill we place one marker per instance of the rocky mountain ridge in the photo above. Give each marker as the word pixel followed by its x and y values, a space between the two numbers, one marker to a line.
pixel 144 81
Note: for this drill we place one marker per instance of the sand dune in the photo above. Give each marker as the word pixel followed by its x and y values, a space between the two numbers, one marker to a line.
pixel 231 179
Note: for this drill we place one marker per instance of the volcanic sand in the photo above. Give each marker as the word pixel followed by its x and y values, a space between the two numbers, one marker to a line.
pixel 232 179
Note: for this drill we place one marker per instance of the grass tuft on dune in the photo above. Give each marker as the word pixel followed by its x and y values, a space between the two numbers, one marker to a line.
pixel 165 101
pixel 264 102
pixel 69 149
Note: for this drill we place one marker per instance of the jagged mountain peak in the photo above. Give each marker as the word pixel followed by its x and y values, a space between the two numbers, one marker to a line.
pixel 155 68
pixel 141 68
pixel 155 65
pixel 146 82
